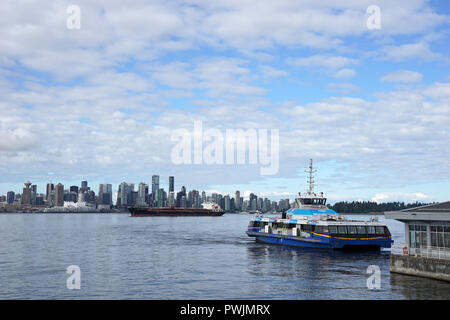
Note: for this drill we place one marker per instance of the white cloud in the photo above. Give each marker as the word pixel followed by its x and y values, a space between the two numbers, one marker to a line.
pixel 345 73
pixel 403 76
pixel 410 51
pixel 402 197
pixel 326 61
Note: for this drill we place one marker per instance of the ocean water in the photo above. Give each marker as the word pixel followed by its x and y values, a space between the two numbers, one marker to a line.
pixel 121 257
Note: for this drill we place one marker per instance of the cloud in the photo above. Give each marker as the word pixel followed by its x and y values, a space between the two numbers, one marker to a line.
pixel 326 61
pixel 409 51
pixel 403 76
pixel 404 197
pixel 345 73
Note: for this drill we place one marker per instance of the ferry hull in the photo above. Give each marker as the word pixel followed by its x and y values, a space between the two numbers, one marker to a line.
pixel 320 241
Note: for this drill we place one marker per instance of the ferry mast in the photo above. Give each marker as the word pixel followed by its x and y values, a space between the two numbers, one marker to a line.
pixel 311 172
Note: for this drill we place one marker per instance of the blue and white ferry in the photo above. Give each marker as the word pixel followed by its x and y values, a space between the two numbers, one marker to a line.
pixel 310 223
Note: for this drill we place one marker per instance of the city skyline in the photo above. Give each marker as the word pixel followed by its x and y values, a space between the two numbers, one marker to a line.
pixel 101 102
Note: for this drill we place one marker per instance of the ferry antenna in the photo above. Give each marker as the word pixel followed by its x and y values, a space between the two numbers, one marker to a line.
pixel 311 172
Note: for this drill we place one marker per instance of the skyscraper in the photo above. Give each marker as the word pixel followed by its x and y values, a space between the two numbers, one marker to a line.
pixel 237 200
pixel 155 187
pixel 49 193
pixel 10 197
pixel 26 195
pixel 141 194
pixel 59 195
pixel 171 184
pixel 124 194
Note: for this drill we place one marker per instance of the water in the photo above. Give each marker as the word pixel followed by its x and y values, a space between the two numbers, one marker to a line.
pixel 183 258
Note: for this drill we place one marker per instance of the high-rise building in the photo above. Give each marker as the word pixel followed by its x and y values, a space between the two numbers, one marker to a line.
pixel 59 195
pixel 171 199
pixel 26 194
pixel 141 194
pixel 155 188
pixel 227 206
pixel 237 200
pixel 49 193
pixel 10 197
pixel 161 198
pixel 171 184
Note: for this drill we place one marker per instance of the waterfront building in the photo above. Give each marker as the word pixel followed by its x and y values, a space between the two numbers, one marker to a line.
pixel 26 194
pixel 10 197
pixel 59 195
pixel 426 251
pixel 74 189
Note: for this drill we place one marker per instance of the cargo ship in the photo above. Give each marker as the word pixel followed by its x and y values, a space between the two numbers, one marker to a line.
pixel 310 223
pixel 208 209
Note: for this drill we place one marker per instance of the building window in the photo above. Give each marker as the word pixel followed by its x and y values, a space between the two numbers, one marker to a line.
pixel 440 236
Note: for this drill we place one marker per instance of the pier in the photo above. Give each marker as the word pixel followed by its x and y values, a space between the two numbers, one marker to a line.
pixel 426 251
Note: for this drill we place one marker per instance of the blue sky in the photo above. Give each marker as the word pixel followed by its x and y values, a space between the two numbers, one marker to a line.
pixel 100 103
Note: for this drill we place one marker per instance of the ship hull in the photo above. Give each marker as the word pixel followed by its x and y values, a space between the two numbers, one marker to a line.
pixel 324 242
pixel 173 212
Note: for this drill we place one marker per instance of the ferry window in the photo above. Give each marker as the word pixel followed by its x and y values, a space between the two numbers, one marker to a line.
pixel 379 230
pixel 370 229
pixel 306 201
pixel 351 230
pixel 423 228
pixel 411 227
pixel 342 229
pixel 319 229
pixel 333 229
pixel 386 231
pixel 361 229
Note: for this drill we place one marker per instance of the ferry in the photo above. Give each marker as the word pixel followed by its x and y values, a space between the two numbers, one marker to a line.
pixel 310 223
pixel 208 209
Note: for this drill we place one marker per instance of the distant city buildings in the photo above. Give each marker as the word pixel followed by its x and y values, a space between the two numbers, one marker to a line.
pixel 83 198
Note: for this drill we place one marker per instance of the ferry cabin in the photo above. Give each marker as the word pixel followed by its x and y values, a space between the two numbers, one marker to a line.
pixel 324 231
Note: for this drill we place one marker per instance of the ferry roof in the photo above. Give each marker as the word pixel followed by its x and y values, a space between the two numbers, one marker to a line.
pixel 311 211
pixel 431 212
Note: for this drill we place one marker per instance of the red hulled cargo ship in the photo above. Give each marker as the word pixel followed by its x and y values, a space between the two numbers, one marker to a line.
pixel 208 210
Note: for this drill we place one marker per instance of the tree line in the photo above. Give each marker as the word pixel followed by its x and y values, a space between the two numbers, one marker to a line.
pixel 368 206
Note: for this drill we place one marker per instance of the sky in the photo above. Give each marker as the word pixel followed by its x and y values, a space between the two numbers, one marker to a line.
pixel 98 96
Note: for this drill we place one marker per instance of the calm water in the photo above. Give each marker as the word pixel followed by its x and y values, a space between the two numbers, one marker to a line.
pixel 183 258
